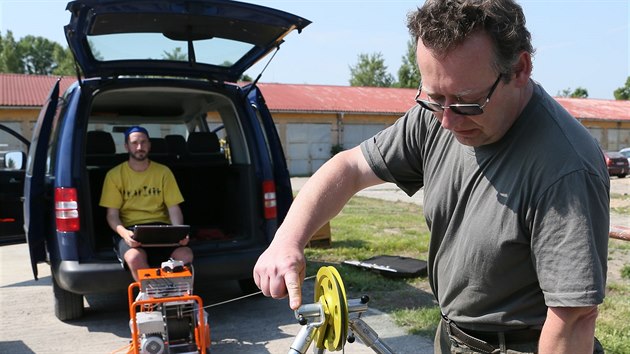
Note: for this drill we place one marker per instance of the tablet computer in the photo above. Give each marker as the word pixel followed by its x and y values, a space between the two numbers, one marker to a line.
pixel 160 235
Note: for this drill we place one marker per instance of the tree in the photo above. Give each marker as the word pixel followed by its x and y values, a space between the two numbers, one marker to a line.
pixel 9 54
pixel 579 92
pixel 65 61
pixel 623 93
pixel 37 55
pixel 370 71
pixel 408 74
pixel 34 55
pixel 176 55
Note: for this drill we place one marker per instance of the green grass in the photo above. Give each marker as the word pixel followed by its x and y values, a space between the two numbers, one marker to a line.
pixel 369 227
pixel 622 209
pixel 613 327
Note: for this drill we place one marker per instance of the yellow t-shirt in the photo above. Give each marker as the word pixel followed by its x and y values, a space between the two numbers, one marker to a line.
pixel 142 197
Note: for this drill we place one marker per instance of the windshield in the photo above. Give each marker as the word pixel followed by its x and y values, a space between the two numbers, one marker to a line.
pixel 155 46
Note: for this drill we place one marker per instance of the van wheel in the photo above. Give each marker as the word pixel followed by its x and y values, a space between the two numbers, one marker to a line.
pixel 248 286
pixel 68 306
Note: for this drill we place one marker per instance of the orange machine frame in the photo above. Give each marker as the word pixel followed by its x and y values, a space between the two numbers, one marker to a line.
pixel 202 330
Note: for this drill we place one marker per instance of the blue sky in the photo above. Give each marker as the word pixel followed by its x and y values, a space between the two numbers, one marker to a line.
pixel 578 43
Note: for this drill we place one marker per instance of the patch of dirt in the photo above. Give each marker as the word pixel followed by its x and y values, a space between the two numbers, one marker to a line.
pixel 619 250
pixel 620 193
pixel 620 186
pixel 618 257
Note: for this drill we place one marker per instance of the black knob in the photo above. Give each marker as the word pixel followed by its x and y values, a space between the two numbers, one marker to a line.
pixel 302 320
pixel 365 299
pixel 351 338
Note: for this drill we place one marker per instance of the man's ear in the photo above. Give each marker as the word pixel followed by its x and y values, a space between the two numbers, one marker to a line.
pixel 523 69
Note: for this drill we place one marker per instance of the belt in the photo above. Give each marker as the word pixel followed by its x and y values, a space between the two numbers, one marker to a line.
pixel 483 341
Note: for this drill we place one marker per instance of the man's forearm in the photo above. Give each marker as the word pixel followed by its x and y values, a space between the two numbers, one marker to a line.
pixel 114 222
pixel 175 215
pixel 568 330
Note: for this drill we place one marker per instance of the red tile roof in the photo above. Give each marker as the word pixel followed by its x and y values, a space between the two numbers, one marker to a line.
pixel 596 109
pixel 19 90
pixel 320 98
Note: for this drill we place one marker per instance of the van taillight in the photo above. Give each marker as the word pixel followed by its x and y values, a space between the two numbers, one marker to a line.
pixel 269 198
pixel 66 209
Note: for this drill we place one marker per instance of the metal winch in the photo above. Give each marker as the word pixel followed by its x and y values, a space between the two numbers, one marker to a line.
pixel 332 320
pixel 166 318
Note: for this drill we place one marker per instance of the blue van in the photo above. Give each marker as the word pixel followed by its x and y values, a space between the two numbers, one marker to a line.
pixel 172 67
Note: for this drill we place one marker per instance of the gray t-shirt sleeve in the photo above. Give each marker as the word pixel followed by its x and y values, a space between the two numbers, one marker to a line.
pixel 398 148
pixel 568 249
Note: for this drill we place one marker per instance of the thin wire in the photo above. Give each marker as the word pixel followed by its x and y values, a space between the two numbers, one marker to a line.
pixel 244 296
pixel 235 299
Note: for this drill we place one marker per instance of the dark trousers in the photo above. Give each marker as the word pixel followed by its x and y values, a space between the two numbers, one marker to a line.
pixel 449 344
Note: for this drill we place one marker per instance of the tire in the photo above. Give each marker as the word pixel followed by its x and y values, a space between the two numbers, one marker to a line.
pixel 248 286
pixel 621 176
pixel 68 305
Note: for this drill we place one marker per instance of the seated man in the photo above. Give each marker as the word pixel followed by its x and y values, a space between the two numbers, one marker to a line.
pixel 140 191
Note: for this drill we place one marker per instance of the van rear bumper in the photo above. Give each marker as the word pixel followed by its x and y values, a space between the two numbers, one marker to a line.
pixel 92 278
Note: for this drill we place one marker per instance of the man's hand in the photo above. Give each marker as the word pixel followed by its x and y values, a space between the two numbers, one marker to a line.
pixel 279 273
pixel 127 235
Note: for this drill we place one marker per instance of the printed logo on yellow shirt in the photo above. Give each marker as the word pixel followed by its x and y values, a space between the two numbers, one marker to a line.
pixel 144 191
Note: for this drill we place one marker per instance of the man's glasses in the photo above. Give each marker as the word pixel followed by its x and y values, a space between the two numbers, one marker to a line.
pixel 465 109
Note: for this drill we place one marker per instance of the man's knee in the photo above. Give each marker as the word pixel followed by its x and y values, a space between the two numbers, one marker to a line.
pixel 135 258
pixel 183 254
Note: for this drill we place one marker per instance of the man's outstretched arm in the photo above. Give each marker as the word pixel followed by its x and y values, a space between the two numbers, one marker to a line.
pixel 280 270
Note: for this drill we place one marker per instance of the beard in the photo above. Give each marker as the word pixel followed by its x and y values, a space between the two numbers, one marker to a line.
pixel 139 155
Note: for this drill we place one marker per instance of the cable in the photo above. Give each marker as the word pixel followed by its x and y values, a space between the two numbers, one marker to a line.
pixel 128 346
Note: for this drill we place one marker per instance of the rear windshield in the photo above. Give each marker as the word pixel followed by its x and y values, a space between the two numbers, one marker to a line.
pixel 155 46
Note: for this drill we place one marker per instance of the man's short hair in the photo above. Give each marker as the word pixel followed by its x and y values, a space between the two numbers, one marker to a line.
pixel 442 25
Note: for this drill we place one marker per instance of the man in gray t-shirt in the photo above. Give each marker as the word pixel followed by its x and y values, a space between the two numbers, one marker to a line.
pixel 516 191
pixel 509 233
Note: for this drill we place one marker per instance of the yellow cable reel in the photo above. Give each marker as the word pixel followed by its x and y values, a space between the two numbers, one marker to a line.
pixel 331 294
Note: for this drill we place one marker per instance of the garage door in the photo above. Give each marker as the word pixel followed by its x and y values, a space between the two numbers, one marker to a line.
pixel 308 147
pixel 354 134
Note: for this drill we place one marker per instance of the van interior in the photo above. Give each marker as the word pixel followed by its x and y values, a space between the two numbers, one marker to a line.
pixel 199 136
